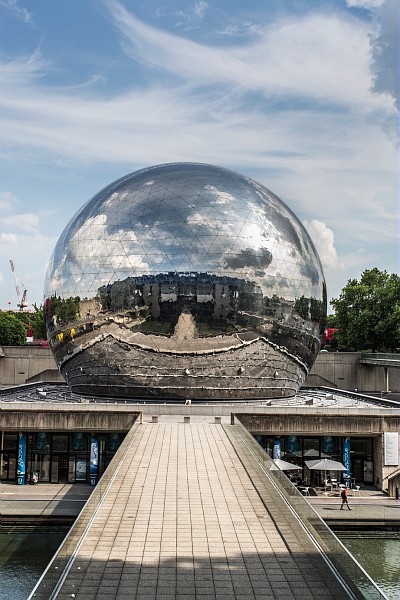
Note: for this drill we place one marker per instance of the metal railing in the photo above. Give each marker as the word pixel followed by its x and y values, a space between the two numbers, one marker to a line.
pixel 381 356
pixel 52 579
pixel 353 577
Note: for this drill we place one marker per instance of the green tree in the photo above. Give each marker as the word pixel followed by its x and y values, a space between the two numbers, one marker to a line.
pixel 33 321
pixel 38 323
pixel 367 313
pixel 331 321
pixel 12 330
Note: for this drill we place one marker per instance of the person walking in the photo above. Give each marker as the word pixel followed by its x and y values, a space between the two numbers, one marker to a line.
pixel 343 495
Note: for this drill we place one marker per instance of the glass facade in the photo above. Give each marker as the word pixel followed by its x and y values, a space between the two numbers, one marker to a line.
pixel 185 281
pixel 297 449
pixel 57 457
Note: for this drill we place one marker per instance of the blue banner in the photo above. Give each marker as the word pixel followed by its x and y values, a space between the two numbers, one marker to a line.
pixel 94 460
pixel 346 459
pixel 276 451
pixel 21 468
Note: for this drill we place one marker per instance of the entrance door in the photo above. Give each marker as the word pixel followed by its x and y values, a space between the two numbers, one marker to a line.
pixel 9 467
pixel 63 469
pixel 59 468
pixel 358 470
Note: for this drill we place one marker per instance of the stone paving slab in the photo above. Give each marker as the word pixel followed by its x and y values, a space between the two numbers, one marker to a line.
pixel 182 520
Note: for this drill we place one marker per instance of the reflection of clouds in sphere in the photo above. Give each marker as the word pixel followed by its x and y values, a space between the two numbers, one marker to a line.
pixel 195 240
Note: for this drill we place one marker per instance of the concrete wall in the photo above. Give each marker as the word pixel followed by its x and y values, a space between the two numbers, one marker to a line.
pixel 21 364
pixel 73 420
pixel 343 371
pixel 321 423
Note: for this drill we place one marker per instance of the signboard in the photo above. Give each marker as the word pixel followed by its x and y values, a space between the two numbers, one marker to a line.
pixel 391 448
pixel 346 458
pixel 94 460
pixel 21 465
pixel 276 450
pixel 80 469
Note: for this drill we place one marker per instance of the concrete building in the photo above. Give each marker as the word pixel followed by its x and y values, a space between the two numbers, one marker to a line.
pixel 68 438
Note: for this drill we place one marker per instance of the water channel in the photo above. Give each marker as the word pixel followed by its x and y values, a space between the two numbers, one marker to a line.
pixel 25 552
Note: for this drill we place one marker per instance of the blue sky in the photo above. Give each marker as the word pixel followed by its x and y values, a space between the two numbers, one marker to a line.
pixel 301 95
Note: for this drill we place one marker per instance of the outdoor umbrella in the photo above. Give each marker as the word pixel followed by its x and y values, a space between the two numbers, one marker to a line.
pixel 309 453
pixel 325 464
pixel 283 465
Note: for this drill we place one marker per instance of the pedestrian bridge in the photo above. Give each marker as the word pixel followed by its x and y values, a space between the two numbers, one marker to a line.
pixel 380 359
pixel 194 510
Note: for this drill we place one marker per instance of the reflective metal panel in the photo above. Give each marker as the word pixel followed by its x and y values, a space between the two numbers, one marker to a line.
pixel 185 281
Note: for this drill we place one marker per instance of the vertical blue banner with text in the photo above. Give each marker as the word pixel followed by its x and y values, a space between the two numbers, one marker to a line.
pixel 276 451
pixel 21 467
pixel 346 459
pixel 94 460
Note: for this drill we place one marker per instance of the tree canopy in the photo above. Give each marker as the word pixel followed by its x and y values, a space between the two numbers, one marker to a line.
pixel 12 330
pixel 367 313
pixel 34 321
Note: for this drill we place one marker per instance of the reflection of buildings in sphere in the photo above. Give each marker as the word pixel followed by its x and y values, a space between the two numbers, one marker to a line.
pixel 214 301
pixel 247 328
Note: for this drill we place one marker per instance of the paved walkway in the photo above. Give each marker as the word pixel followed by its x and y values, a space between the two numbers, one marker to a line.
pixel 44 501
pixel 49 500
pixel 183 520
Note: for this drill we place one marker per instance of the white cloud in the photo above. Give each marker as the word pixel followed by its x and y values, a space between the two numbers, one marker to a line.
pixel 143 126
pixel 200 8
pixel 385 64
pixel 367 4
pixel 7 201
pixel 14 6
pixel 296 56
pixel 336 269
pixel 192 16
pixel 324 241
pixel 9 238
pixel 23 222
pixel 239 29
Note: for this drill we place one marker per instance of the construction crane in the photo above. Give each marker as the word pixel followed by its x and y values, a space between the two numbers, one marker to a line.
pixel 22 303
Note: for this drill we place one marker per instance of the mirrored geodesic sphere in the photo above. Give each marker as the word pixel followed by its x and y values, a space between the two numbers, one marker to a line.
pixel 185 281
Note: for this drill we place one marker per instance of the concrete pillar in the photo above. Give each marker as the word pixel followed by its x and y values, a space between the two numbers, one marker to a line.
pixel 217 420
pixel 154 419
pixel 186 419
pixel 386 374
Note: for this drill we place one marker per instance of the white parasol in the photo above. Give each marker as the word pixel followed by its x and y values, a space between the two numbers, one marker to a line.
pixel 283 465
pixel 325 464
